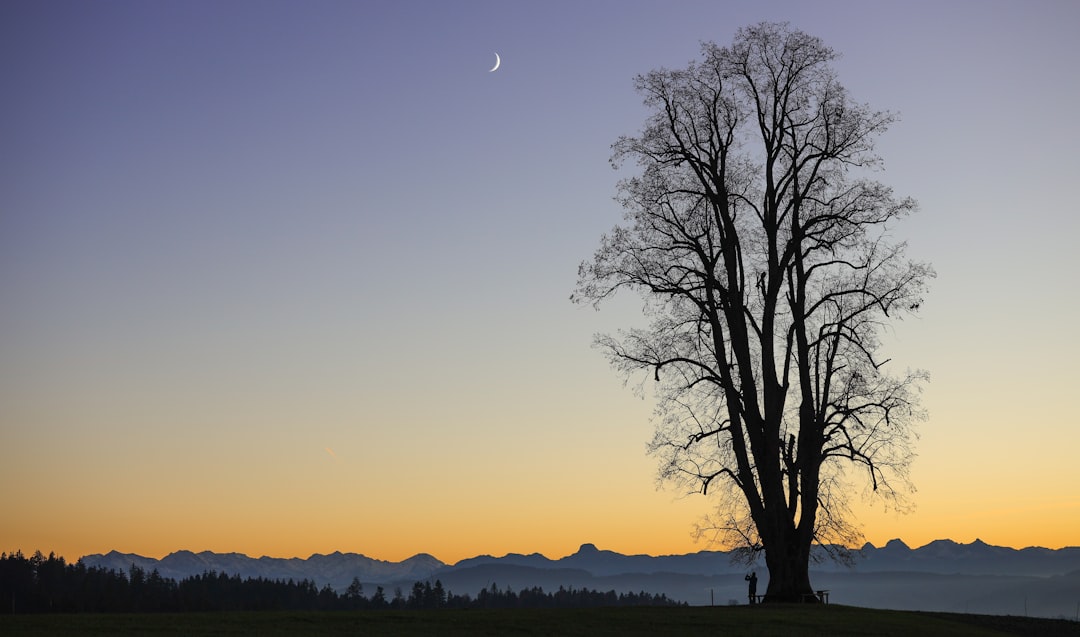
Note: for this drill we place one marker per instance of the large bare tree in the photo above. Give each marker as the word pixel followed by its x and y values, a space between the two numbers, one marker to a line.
pixel 759 241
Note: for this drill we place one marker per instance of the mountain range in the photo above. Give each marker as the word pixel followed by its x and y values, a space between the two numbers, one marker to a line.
pixel 942 575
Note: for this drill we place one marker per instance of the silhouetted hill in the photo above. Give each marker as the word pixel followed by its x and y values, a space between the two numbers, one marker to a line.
pixel 691 588
pixel 942 575
pixel 337 569
pixel 599 562
pixel 534 560
pixel 517 577
pixel 1054 596
pixel 977 558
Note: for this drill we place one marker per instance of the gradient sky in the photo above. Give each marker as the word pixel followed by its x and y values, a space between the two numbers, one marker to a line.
pixel 286 278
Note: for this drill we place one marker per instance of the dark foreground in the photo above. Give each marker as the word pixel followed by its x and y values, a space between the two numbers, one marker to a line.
pixel 779 620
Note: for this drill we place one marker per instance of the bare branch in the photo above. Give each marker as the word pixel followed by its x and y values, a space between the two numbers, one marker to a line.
pixel 760 242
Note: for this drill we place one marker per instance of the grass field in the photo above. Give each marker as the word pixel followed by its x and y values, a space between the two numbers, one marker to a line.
pixel 777 620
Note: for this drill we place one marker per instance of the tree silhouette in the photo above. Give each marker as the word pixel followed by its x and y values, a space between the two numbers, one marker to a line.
pixel 759 242
pixel 354 594
pixel 378 601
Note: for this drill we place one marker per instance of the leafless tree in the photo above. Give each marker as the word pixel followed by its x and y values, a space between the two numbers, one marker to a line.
pixel 759 240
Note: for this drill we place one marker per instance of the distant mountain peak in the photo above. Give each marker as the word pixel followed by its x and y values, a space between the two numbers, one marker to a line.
pixel 115 553
pixel 423 561
pixel 942 545
pixel 896 543
pixel 587 548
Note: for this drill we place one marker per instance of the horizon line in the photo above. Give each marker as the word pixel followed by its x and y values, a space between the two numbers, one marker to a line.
pixel 578 551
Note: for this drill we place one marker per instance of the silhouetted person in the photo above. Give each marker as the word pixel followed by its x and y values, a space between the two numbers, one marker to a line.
pixel 752 578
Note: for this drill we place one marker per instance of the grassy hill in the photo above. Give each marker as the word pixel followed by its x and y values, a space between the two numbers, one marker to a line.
pixel 761 621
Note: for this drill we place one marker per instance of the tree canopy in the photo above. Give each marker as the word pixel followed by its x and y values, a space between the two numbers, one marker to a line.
pixel 760 242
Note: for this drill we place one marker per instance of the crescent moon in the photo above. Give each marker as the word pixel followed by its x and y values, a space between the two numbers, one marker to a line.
pixel 497 63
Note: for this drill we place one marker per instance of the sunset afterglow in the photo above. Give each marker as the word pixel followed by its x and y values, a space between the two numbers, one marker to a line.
pixel 281 278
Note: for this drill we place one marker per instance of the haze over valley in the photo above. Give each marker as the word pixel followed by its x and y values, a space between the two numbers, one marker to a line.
pixel 940 576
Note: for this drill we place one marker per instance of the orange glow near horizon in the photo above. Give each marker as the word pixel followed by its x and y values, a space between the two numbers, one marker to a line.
pixel 289 496
pixel 662 528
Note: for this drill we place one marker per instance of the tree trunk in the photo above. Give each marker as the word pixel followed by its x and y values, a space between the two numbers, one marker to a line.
pixel 788 561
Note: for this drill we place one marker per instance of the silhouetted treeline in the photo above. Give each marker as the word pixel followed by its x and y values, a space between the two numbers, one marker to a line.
pixel 48 584
pixel 40 584
pixel 535 597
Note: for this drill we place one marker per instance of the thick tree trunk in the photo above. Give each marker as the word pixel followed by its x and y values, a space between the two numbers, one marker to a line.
pixel 788 562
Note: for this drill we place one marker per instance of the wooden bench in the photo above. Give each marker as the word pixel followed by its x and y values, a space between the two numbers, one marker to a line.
pixel 818 596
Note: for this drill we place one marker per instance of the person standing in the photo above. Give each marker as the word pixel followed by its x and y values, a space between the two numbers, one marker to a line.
pixel 752 578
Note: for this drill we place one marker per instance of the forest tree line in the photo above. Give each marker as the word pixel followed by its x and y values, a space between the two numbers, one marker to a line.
pixel 42 584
